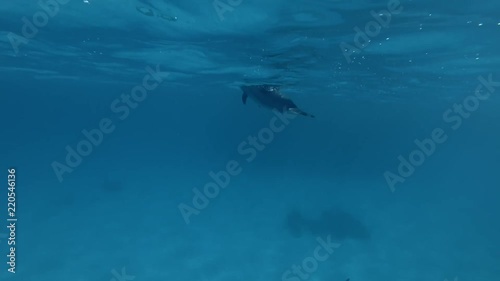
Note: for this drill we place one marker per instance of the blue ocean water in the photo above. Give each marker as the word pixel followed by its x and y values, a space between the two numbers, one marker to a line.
pixel 130 156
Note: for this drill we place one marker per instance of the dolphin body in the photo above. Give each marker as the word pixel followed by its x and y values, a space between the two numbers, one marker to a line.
pixel 270 96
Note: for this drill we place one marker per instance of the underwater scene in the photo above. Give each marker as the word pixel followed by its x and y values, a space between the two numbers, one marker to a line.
pixel 250 140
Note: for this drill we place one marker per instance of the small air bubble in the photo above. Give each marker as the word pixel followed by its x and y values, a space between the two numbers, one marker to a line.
pixel 481 24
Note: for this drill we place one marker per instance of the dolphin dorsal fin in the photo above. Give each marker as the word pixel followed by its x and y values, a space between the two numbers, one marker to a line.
pixel 244 98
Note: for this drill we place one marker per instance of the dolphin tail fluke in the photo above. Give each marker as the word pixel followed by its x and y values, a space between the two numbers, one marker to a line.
pixel 298 111
pixel 307 114
pixel 244 98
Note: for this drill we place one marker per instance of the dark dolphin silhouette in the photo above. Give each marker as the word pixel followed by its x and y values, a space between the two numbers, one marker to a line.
pixel 270 96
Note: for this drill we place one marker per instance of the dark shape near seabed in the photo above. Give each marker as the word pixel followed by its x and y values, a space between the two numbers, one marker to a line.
pixel 271 97
pixel 337 223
